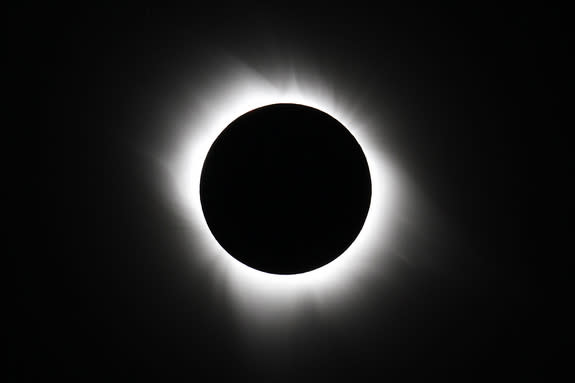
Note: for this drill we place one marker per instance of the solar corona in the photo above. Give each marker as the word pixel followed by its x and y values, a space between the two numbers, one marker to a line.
pixel 321 245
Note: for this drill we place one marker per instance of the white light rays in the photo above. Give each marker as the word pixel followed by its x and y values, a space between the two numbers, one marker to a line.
pixel 263 299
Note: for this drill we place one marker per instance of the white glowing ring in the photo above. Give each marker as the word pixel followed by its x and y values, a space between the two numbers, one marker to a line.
pixel 258 294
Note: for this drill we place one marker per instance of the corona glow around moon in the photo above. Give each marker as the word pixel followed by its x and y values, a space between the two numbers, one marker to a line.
pixel 270 298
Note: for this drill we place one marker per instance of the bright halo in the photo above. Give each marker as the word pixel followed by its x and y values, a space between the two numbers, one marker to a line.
pixel 271 299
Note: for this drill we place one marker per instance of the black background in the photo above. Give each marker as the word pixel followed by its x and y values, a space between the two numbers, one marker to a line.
pixel 477 93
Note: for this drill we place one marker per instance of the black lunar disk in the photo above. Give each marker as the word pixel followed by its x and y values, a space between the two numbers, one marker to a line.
pixel 285 189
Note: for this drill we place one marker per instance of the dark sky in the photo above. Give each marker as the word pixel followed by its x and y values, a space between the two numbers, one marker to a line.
pixel 476 92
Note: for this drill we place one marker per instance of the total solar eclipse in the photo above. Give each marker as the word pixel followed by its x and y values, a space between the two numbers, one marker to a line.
pixel 285 189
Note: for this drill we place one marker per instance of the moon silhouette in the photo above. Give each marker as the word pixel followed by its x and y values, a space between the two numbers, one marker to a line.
pixel 285 189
